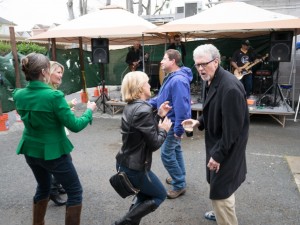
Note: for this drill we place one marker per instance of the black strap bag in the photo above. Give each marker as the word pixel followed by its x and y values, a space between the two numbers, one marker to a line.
pixel 122 185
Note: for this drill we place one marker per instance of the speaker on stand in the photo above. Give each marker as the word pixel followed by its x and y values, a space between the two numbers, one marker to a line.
pixel 100 50
pixel 280 51
pixel 100 54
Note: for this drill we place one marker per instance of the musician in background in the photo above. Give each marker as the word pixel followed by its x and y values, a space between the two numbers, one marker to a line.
pixel 241 57
pixel 134 57
pixel 179 46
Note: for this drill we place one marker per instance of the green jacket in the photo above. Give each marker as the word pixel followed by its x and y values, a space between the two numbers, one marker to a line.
pixel 45 113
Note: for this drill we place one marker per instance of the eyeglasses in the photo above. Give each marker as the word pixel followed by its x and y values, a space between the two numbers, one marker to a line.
pixel 203 65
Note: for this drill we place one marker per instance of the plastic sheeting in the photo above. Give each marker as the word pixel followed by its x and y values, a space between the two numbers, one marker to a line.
pixel 114 71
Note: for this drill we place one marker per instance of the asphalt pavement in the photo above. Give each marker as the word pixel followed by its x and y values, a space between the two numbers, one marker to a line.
pixel 269 196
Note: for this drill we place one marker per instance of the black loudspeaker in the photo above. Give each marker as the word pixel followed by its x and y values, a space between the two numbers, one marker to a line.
pixel 100 50
pixel 281 46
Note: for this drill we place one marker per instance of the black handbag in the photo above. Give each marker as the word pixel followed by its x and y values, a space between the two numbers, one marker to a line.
pixel 122 185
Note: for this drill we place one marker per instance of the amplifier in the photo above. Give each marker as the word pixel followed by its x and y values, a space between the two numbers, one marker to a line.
pixel 263 73
pixel 262 83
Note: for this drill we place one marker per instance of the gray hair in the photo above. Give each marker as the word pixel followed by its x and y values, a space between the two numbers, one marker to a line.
pixel 206 50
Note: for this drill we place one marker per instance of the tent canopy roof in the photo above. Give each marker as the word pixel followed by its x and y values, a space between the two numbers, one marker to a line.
pixel 113 22
pixel 230 19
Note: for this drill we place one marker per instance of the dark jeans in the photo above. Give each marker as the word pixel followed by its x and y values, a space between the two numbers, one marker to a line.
pixel 247 82
pixel 64 172
pixel 148 183
pixel 172 158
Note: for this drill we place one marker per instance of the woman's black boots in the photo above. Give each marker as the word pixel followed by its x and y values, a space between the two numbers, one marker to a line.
pixel 135 214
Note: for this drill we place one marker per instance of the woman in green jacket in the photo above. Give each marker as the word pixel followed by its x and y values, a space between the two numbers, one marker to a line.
pixel 45 112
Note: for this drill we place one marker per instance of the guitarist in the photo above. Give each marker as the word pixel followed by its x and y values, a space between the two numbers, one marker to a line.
pixel 241 57
pixel 134 57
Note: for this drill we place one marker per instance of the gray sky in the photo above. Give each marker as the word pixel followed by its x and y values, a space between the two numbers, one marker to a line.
pixel 27 13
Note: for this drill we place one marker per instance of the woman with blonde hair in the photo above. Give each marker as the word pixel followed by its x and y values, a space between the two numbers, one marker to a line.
pixel 143 132
pixel 56 75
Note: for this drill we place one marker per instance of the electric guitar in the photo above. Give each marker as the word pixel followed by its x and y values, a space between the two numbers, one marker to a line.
pixel 134 65
pixel 246 68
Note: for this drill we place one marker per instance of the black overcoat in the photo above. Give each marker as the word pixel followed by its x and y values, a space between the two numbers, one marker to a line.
pixel 225 119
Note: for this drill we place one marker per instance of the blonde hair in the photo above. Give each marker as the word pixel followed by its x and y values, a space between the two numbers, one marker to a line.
pixel 53 66
pixel 132 85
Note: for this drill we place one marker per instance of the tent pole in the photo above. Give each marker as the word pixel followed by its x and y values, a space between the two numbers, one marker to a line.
pixel 143 52
pixel 15 55
pixel 53 48
pixel 294 69
pixel 84 95
pixel 166 39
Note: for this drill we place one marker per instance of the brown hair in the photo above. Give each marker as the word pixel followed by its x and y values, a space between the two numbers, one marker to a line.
pixel 174 54
pixel 33 64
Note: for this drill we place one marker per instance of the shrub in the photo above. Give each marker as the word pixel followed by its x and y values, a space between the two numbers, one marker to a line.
pixel 23 48
pixel 26 48
pixel 4 48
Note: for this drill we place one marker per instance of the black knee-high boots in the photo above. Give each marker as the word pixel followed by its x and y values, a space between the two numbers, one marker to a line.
pixel 136 212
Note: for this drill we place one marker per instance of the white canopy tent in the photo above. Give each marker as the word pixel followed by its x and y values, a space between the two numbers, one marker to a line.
pixel 230 20
pixel 115 23
pixel 233 20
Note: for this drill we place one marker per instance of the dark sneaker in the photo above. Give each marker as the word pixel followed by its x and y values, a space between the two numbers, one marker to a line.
pixel 169 180
pixel 175 193
pixel 57 200
pixel 61 190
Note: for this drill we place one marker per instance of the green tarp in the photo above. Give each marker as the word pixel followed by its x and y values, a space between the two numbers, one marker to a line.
pixel 113 72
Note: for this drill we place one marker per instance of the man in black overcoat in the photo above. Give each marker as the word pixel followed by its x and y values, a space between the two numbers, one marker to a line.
pixel 225 119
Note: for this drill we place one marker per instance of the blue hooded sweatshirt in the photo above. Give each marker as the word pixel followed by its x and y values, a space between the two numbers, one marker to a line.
pixel 176 90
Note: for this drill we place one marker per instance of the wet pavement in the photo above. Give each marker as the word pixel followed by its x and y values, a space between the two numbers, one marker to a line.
pixel 269 196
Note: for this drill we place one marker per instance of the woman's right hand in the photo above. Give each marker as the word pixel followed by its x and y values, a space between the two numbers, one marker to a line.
pixel 74 101
pixel 164 109
pixel 166 124
pixel 91 105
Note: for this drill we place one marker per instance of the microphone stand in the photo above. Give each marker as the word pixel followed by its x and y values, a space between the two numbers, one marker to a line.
pixel 103 95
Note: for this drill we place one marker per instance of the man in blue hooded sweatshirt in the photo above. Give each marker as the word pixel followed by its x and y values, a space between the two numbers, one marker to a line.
pixel 175 89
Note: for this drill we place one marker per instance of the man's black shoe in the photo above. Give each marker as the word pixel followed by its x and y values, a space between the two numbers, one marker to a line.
pixel 57 200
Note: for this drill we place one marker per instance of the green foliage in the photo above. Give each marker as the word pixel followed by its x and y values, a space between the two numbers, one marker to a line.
pixel 23 48
pixel 26 48
pixel 4 48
